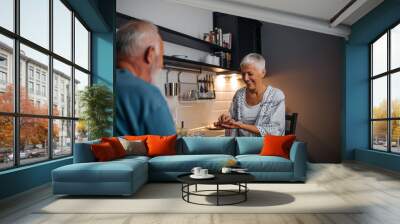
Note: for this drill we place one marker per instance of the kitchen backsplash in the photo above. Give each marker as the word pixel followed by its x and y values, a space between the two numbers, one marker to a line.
pixel 201 112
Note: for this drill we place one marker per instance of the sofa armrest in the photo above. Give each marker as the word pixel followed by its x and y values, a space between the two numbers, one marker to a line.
pixel 83 152
pixel 298 155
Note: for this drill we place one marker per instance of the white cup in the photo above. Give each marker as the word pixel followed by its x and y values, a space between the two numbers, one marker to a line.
pixel 203 172
pixel 196 171
pixel 226 170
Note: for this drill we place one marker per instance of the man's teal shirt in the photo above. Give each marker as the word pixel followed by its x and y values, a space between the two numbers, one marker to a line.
pixel 140 107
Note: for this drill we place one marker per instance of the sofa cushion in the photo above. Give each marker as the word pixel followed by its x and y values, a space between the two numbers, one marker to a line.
pixel 207 145
pixel 136 137
pixel 103 152
pixel 135 147
pixel 257 163
pixel 111 171
pixel 249 145
pixel 116 145
pixel 185 163
pixel 161 145
pixel 277 145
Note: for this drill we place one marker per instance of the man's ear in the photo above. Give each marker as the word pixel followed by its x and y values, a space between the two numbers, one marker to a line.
pixel 149 55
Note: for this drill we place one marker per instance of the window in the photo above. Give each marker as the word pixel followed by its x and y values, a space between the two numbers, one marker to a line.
pixel 38 73
pixel 43 77
pixel 3 61
pixel 30 87
pixel 44 91
pixel 30 72
pixel 3 71
pixel 38 89
pixel 385 91
pixel 3 78
pixel 40 129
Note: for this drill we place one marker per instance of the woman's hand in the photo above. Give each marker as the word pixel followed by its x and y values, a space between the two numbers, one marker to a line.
pixel 224 118
pixel 232 124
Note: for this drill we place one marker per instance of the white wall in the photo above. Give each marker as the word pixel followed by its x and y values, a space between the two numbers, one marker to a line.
pixel 194 22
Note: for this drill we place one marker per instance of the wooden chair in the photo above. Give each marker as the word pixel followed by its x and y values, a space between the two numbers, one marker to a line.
pixel 291 121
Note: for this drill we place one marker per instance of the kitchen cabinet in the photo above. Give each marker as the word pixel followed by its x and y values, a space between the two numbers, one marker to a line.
pixel 246 35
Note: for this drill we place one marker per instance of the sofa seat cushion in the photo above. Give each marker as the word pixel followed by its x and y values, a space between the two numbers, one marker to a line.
pixel 112 171
pixel 185 163
pixel 257 163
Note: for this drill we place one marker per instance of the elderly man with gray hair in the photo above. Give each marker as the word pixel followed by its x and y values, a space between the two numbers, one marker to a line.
pixel 140 107
pixel 256 109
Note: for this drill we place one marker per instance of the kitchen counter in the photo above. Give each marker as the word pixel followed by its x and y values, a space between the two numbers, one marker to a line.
pixel 204 131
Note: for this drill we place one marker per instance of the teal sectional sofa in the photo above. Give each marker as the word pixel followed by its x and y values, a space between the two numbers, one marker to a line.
pixel 125 176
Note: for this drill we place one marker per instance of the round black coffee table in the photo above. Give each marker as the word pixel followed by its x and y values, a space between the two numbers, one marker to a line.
pixel 238 179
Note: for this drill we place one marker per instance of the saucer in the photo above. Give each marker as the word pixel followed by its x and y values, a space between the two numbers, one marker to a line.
pixel 208 176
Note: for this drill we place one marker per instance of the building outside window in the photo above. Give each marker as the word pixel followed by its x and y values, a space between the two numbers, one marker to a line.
pixel 385 91
pixel 57 126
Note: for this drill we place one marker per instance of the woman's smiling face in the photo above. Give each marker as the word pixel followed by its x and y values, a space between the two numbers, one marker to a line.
pixel 252 76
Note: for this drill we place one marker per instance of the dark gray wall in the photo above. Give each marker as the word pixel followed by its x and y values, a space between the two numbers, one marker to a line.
pixel 308 67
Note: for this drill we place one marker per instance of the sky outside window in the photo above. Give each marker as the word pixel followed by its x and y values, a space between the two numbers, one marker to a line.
pixel 7 14
pixel 395 47
pixel 62 29
pixel 35 21
pixel 379 56
pixel 81 45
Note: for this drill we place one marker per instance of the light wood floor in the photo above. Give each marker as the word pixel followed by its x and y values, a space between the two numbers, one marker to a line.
pixel 378 188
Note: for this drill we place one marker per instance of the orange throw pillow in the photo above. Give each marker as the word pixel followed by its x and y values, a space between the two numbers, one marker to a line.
pixel 135 138
pixel 277 145
pixel 161 145
pixel 103 152
pixel 116 145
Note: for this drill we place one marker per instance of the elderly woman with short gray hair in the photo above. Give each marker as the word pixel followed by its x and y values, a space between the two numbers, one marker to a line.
pixel 256 109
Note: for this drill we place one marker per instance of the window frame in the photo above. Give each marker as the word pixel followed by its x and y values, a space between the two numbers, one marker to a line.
pixel 388 74
pixel 16 115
